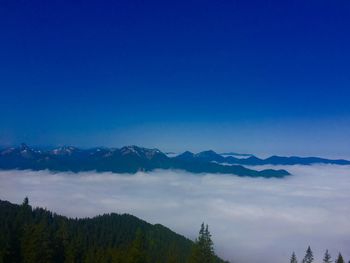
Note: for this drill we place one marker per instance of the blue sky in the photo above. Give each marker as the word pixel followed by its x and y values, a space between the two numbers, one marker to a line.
pixel 251 76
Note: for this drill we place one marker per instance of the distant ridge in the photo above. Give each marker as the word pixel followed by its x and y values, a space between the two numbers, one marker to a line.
pixel 237 154
pixel 212 156
pixel 128 159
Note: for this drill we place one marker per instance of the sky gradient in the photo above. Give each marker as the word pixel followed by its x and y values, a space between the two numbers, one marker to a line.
pixel 251 76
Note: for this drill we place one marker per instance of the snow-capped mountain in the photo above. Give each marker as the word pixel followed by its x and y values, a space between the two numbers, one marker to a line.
pixel 128 159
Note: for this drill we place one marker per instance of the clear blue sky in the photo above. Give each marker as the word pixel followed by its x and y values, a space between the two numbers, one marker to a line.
pixel 249 76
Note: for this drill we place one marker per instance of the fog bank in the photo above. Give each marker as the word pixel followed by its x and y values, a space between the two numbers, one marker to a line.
pixel 251 219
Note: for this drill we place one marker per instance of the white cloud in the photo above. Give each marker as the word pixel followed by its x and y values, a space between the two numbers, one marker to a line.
pixel 251 219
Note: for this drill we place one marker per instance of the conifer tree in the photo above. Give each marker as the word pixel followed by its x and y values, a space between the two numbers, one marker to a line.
pixel 138 251
pixel 25 211
pixel 173 254
pixel 25 201
pixel 340 259
pixel 327 257
pixel 203 251
pixel 209 251
pixel 309 257
pixel 37 245
pixel 293 258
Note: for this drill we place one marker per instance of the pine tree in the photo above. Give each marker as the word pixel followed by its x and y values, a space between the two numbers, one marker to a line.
pixel 25 201
pixel 173 254
pixel 293 259
pixel 203 251
pixel 25 211
pixel 209 251
pixel 340 259
pixel 309 257
pixel 327 257
pixel 138 251
pixel 37 246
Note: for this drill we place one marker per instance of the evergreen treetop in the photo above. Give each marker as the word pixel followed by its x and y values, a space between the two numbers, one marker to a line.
pixel 340 259
pixel 309 257
pixel 327 257
pixel 293 258
pixel 203 251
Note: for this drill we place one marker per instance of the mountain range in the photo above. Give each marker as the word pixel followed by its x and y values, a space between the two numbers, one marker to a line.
pixel 131 159
pixel 128 159
pixel 211 156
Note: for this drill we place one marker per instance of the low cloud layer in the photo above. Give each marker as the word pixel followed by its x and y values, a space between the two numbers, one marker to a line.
pixel 251 219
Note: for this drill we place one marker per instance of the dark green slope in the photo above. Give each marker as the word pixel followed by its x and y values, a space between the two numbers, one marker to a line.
pixel 37 235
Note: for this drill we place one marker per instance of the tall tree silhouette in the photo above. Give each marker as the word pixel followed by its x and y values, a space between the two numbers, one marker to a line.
pixel 327 257
pixel 138 249
pixel 203 251
pixel 293 258
pixel 340 259
pixel 37 245
pixel 309 257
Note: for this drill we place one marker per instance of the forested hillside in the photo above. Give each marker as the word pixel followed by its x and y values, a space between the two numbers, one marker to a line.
pixel 37 235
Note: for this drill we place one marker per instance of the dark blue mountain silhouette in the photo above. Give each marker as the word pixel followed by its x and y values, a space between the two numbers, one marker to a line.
pixel 128 159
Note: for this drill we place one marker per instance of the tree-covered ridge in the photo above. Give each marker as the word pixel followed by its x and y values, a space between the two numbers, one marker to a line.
pixel 37 235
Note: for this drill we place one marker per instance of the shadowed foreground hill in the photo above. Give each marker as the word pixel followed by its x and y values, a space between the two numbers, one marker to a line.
pixel 37 235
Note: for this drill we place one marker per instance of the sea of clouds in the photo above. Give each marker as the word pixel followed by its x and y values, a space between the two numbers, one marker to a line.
pixel 251 219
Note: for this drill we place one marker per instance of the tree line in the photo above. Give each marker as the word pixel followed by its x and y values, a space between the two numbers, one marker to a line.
pixel 309 257
pixel 30 235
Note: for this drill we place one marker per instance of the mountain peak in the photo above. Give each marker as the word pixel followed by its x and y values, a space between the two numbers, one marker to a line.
pixel 131 149
pixel 187 155
pixel 24 147
pixel 25 151
pixel 64 150
pixel 141 152
pixel 209 155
